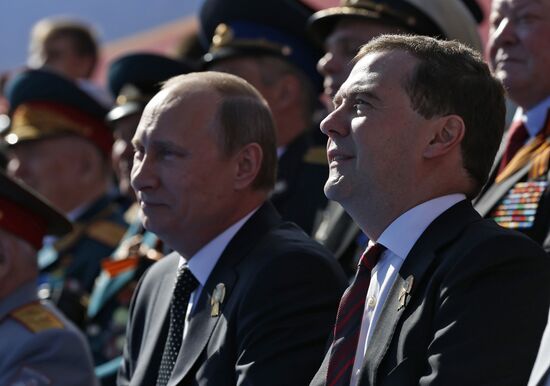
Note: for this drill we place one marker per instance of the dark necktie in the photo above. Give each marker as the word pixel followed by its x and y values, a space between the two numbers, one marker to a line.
pixel 185 285
pixel 518 137
pixel 348 320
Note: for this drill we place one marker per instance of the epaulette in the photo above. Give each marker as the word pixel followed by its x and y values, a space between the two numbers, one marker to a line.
pixel 36 318
pixel 106 232
pixel 115 267
pixel 316 155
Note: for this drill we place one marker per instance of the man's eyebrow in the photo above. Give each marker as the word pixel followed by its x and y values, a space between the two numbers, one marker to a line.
pixel 355 90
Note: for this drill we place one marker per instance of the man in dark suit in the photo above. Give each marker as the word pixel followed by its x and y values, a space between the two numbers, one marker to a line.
pixel 414 132
pixel 540 376
pixel 254 298
pixel 517 195
pixel 341 31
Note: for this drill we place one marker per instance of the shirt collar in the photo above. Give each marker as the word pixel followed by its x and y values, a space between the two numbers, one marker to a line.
pixel 401 235
pixel 535 118
pixel 203 262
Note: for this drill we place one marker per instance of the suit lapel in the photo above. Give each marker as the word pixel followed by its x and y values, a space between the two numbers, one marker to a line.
pixel 153 344
pixel 495 193
pixel 441 231
pixel 201 322
pixel 542 364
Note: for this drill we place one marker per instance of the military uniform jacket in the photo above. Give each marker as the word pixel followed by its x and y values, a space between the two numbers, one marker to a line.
pixel 281 295
pixel 38 346
pixel 302 172
pixel 70 266
pixel 522 197
pixel 468 307
pixel 107 313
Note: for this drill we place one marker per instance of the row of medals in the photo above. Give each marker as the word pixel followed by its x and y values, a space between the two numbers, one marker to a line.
pixel 517 209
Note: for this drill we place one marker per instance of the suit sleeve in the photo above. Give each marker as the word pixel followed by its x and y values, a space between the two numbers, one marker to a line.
pixel 490 316
pixel 285 320
pixel 53 357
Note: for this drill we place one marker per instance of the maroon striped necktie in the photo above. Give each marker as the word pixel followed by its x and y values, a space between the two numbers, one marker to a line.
pixel 517 138
pixel 348 320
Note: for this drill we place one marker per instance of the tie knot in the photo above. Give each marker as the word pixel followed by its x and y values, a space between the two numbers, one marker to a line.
pixel 371 256
pixel 185 280
pixel 518 132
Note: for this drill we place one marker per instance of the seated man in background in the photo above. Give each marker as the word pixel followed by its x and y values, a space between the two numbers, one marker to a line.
pixel 70 48
pixel 245 298
pixel 517 195
pixel 39 346
pixel 265 44
pixel 60 145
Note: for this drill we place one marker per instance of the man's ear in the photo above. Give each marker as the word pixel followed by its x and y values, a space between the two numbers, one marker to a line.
pixel 248 164
pixel 89 162
pixel 448 132
pixel 286 92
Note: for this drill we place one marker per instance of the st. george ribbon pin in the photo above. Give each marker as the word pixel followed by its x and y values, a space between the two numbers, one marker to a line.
pixel 405 292
pixel 217 298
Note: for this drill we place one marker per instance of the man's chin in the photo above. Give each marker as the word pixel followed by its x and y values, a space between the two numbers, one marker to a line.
pixel 334 189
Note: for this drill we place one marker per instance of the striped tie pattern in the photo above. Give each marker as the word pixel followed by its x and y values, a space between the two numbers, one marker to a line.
pixel 348 320
pixel 186 283
pixel 517 138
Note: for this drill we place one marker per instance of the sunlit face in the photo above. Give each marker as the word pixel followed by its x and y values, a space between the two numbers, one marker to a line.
pixel 375 137
pixel 518 48
pixel 183 182
pixel 123 153
pixel 342 45
pixel 59 54
pixel 49 167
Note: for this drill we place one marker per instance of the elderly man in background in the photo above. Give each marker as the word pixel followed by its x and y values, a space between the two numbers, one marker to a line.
pixel 60 145
pixel 39 346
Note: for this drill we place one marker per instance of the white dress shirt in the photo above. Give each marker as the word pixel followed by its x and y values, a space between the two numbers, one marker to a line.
pixel 534 119
pixel 203 262
pixel 398 238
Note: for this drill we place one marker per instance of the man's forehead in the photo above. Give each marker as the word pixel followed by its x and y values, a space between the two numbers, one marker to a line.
pixel 381 63
pixel 374 69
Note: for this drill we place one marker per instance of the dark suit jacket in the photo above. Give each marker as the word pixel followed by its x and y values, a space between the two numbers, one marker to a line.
pixel 282 292
pixel 541 368
pixel 475 314
pixel 301 175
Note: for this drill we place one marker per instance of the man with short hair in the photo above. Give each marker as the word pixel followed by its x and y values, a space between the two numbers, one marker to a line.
pixel 254 298
pixel 39 346
pixel 517 195
pixel 60 145
pixel 64 45
pixel 411 139
pixel 341 31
